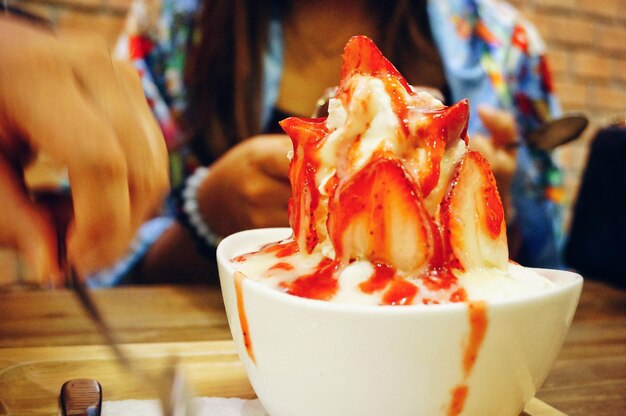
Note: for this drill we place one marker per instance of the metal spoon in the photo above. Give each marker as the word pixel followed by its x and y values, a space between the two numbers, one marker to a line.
pixel 558 131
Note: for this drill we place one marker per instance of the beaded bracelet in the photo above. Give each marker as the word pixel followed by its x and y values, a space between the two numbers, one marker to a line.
pixel 189 212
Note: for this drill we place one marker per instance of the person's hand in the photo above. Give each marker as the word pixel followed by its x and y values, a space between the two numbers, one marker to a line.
pixel 499 149
pixel 248 187
pixel 88 113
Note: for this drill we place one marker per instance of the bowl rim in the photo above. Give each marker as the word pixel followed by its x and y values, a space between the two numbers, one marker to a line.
pixel 565 281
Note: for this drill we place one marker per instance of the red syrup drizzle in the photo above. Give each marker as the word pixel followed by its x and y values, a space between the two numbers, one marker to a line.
pixel 282 266
pixel 321 284
pixel 243 319
pixel 440 278
pixel 306 136
pixel 398 291
pixel 477 312
pixel 494 211
pixel 383 274
pixel 280 250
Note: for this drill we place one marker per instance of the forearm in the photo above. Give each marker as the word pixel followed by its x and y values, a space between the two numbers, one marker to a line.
pixel 185 252
pixel 174 258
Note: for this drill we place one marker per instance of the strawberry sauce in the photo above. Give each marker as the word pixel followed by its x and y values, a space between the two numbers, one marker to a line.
pixel 383 274
pixel 243 319
pixel 477 313
pixel 400 292
pixel 321 284
pixel 478 327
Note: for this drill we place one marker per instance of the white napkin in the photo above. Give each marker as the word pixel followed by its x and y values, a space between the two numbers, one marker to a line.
pixel 203 406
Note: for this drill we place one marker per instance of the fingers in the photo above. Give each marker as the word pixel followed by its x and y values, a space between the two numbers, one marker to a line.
pixel 115 89
pixel 149 180
pixel 501 126
pixel 268 193
pixel 270 154
pixel 27 228
pixel 65 124
pixel 435 92
pixel 500 148
pixel 483 145
pixel 90 115
pixel 98 174
pixel 266 205
pixel 248 187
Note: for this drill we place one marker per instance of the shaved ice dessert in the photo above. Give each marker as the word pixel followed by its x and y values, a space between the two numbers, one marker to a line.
pixel 389 206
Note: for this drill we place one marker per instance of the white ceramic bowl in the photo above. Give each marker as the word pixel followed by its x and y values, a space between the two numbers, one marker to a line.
pixel 318 358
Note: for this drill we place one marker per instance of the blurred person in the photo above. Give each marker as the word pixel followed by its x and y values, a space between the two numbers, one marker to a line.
pixel 221 74
pixel 73 103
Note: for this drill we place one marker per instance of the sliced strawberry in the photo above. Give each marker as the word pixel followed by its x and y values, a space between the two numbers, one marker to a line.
pixel 378 214
pixel 472 217
pixel 304 207
pixel 362 56
pixel 432 132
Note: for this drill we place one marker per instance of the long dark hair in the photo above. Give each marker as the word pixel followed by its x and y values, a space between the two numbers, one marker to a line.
pixel 224 69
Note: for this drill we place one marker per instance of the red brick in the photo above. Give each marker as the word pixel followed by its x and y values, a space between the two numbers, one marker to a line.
pixel 619 70
pixel 573 96
pixel 605 8
pixel 560 4
pixel 124 4
pixel 541 21
pixel 572 159
pixel 573 154
pixel 570 30
pixel 612 38
pixel 558 61
pixel 610 98
pixel 592 65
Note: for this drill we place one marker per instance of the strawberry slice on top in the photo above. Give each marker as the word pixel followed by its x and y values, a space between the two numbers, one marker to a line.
pixel 306 214
pixel 388 178
pixel 378 214
pixel 472 217
pixel 362 56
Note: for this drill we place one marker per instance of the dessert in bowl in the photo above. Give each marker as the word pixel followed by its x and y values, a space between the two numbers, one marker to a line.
pixel 392 292
pixel 308 357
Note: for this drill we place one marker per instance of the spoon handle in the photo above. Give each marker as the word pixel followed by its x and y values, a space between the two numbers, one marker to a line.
pixel 81 397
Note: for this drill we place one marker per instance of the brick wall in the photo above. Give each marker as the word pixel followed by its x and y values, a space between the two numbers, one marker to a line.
pixel 586 42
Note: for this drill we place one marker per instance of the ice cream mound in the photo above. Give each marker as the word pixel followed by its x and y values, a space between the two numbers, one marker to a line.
pixel 388 205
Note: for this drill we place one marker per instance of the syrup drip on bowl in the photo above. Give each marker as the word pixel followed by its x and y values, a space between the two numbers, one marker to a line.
pixel 243 319
pixel 477 312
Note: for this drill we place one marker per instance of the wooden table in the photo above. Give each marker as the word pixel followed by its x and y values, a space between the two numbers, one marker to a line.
pixel 46 339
